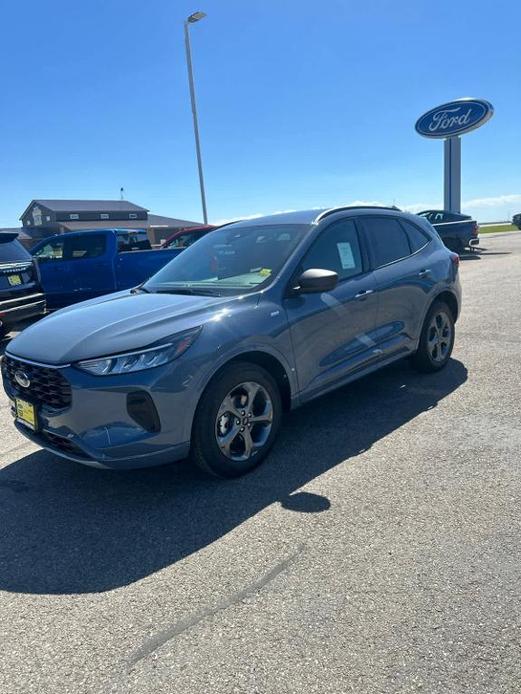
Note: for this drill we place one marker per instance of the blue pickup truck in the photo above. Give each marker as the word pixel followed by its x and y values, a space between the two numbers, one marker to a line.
pixel 85 264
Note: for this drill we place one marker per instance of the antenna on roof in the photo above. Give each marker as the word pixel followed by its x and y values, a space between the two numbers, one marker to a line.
pixel 121 193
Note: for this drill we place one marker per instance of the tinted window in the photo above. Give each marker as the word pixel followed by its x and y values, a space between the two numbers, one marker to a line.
pixel 387 239
pixel 185 240
pixel 433 216
pixel 133 241
pixel 12 251
pixel 51 251
pixel 88 246
pixel 336 249
pixel 417 239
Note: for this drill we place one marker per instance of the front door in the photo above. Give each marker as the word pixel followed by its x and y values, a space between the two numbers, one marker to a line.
pixel 332 332
pixel 55 272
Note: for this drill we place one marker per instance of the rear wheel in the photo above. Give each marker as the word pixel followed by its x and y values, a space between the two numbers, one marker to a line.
pixel 236 421
pixel 3 331
pixel 437 339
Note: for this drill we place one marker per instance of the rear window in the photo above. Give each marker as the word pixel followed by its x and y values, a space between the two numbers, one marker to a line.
pixel 387 239
pixel 417 239
pixel 80 247
pixel 12 251
pixel 133 241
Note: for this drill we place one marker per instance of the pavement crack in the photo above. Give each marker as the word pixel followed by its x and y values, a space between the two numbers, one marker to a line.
pixel 158 640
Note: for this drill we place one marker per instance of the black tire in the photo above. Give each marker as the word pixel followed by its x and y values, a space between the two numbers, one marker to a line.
pixel 205 450
pixel 3 332
pixel 424 360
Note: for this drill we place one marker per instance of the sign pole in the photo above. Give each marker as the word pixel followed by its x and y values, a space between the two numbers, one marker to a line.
pixel 452 174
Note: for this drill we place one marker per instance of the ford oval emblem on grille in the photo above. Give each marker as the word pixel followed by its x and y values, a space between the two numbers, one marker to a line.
pixel 22 379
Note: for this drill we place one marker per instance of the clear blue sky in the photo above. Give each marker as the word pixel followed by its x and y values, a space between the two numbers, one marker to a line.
pixel 302 103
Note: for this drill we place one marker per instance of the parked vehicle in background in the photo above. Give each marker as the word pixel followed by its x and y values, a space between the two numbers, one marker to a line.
pixel 516 220
pixel 457 231
pixel 255 318
pixel 186 237
pixel 84 264
pixel 21 294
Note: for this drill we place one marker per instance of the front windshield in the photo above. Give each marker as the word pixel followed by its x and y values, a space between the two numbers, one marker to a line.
pixel 233 259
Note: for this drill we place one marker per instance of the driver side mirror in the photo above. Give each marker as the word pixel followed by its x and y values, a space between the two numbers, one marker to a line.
pixel 316 281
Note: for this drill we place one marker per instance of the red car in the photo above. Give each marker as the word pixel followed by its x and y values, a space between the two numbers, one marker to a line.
pixel 183 238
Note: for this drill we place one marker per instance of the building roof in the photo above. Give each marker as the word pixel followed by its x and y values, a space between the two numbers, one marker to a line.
pixel 157 220
pixel 104 224
pixel 20 232
pixel 87 206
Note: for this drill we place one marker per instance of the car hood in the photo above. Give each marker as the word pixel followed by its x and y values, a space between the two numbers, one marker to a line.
pixel 118 323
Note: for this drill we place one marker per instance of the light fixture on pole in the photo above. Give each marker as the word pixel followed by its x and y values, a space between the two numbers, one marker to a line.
pixel 192 19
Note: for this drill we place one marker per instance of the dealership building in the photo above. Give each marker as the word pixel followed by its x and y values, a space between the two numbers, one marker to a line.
pixel 47 217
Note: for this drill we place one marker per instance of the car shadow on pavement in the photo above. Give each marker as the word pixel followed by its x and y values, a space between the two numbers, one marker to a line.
pixel 66 528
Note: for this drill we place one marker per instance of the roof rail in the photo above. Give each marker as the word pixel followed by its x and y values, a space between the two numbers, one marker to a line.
pixel 333 210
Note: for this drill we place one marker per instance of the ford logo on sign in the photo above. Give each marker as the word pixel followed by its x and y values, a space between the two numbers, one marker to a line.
pixel 455 118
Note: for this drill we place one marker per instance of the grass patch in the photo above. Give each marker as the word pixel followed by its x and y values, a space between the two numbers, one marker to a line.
pixel 496 228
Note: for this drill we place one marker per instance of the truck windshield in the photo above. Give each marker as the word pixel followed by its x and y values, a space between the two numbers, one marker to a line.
pixel 232 259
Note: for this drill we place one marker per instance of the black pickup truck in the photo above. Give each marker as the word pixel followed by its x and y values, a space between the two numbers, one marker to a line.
pixel 516 220
pixel 457 231
pixel 21 295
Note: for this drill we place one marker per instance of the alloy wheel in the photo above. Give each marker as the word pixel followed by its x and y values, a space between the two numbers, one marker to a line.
pixel 439 337
pixel 244 421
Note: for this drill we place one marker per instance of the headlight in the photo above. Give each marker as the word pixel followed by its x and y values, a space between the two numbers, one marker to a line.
pixel 141 359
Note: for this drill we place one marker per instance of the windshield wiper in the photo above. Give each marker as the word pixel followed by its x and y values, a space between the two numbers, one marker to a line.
pixel 187 290
pixel 139 288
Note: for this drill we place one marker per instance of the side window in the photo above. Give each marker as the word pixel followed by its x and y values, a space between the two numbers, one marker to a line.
pixel 417 239
pixel 336 249
pixel 387 239
pixel 51 251
pixel 87 246
pixel 183 241
pixel 133 241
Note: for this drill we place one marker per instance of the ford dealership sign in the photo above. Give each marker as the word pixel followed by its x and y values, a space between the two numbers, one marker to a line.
pixel 455 118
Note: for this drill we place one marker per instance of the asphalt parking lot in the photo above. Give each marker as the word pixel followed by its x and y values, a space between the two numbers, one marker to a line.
pixel 378 549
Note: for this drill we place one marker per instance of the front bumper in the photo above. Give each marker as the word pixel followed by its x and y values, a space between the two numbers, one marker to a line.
pixel 13 311
pixel 98 429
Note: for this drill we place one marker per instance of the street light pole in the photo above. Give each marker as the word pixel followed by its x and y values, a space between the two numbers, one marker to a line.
pixel 195 17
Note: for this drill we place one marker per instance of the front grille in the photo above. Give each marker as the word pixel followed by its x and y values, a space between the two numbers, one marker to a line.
pixel 48 386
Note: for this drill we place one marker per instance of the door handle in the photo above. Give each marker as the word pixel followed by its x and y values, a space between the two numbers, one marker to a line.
pixel 424 273
pixel 363 294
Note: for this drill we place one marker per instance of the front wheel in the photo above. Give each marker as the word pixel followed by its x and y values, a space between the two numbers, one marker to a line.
pixel 236 421
pixel 437 339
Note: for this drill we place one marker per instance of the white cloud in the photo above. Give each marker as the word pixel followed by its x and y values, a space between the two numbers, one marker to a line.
pixel 496 201
pixel 496 207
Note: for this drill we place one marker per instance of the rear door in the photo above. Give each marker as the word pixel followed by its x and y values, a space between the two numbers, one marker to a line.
pixel 400 257
pixel 332 332
pixel 91 265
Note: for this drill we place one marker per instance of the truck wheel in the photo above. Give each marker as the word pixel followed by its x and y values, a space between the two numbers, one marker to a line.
pixel 236 421
pixel 3 331
pixel 436 340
